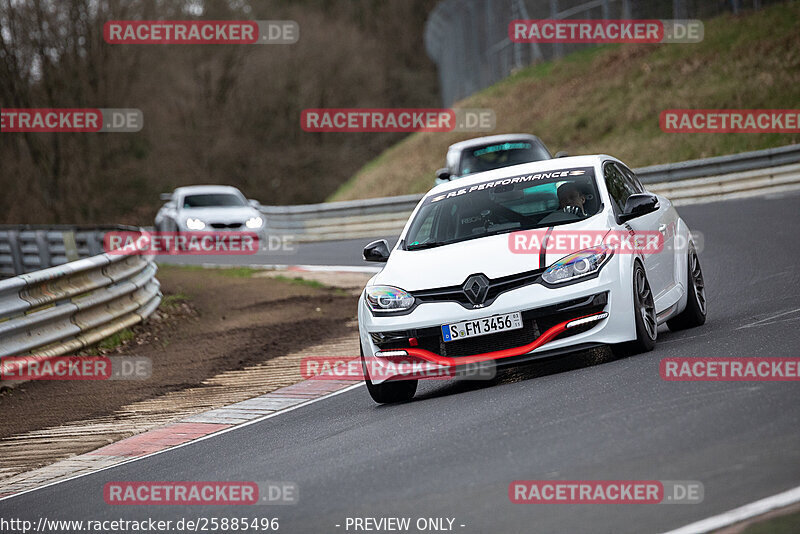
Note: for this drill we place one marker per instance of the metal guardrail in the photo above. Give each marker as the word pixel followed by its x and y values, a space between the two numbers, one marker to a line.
pixel 697 168
pixel 27 248
pixel 723 175
pixel 332 220
pixel 61 309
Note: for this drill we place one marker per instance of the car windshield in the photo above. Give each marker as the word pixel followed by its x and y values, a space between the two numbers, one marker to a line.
pixel 495 156
pixel 505 205
pixel 209 200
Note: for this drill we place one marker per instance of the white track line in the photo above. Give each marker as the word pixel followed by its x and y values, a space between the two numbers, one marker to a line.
pixel 338 268
pixel 770 319
pixel 279 267
pixel 208 436
pixel 742 513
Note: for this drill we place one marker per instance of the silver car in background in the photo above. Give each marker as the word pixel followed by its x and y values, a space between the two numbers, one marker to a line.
pixel 209 208
pixel 491 152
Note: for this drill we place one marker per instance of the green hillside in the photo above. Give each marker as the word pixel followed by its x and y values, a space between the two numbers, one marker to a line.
pixel 608 99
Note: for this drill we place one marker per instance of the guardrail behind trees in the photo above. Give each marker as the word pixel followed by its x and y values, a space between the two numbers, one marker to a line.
pixel 468 39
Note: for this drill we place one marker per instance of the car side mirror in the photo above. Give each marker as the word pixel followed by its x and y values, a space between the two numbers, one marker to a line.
pixel 638 205
pixel 561 154
pixel 254 203
pixel 377 251
pixel 165 196
pixel 443 174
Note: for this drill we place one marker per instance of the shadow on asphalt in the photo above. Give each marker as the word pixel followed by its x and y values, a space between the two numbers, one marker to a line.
pixel 432 389
pixel 528 371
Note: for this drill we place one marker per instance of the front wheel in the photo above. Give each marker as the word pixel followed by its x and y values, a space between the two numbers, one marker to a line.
pixel 695 312
pixel 644 310
pixel 388 392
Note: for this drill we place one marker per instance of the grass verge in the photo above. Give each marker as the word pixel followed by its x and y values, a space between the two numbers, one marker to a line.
pixel 607 100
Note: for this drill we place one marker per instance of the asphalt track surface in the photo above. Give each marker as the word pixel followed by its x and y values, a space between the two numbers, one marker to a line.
pixel 453 451
pixel 327 253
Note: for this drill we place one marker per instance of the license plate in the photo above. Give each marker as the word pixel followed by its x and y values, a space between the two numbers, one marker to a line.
pixel 481 327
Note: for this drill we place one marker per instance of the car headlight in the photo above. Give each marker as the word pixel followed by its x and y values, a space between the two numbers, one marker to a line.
pixel 195 224
pixel 254 222
pixel 578 265
pixel 388 299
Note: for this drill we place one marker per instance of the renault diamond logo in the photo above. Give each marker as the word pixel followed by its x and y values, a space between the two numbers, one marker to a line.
pixel 475 288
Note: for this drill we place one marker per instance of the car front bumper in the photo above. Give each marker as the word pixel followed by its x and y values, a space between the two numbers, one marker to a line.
pixel 555 321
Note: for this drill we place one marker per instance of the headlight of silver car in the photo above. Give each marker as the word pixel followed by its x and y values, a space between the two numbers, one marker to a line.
pixel 193 223
pixel 254 222
pixel 388 299
pixel 578 265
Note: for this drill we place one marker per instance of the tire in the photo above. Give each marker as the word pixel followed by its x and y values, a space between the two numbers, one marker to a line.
pixel 644 316
pixel 176 232
pixel 695 312
pixel 388 392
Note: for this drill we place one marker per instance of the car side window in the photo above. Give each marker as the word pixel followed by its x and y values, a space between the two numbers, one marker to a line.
pixel 452 161
pixel 427 226
pixel 631 179
pixel 618 186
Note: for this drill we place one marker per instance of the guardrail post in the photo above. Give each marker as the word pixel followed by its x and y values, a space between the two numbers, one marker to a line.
pixel 679 9
pixel 558 48
pixel 44 249
pixel 94 241
pixel 70 246
pixel 16 252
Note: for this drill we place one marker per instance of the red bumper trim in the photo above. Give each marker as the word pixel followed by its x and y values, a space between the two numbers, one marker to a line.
pixel 547 336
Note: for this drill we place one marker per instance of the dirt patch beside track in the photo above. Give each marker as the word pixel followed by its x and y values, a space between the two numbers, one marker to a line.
pixel 212 322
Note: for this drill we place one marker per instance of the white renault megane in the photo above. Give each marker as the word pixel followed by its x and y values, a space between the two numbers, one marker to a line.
pixel 525 262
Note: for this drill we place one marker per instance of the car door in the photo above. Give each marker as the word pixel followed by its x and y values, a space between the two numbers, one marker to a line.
pixel 170 215
pixel 667 226
pixel 620 187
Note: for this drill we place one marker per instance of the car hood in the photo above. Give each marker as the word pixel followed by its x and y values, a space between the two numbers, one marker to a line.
pixel 450 265
pixel 221 215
